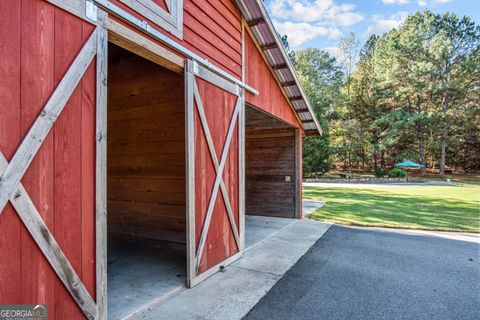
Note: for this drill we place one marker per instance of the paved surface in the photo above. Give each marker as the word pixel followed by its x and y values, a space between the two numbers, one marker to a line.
pixel 232 293
pixel 354 273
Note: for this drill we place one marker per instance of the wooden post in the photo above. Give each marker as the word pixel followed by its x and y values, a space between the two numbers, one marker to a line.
pixel 298 174
pixel 101 170
pixel 190 170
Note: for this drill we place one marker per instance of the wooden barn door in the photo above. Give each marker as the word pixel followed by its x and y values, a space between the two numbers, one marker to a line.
pixel 52 159
pixel 215 224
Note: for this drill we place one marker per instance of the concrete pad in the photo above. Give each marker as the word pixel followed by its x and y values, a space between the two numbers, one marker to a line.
pixel 309 205
pixel 232 293
pixel 281 251
pixel 259 228
pixel 225 295
pixel 140 272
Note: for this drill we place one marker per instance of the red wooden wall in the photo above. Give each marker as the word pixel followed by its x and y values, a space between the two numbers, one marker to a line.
pixel 38 44
pixel 219 106
pixel 259 76
pixel 212 29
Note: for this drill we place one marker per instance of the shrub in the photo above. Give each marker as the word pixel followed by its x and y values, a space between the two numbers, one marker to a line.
pixel 397 173
pixel 379 173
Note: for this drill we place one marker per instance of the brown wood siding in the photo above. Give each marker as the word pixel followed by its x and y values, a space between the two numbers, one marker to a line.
pixel 146 148
pixel 269 159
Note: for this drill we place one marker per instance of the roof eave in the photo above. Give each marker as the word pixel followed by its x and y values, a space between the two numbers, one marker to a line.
pixel 247 7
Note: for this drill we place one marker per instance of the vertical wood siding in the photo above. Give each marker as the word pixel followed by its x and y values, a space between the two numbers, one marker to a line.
pixel 259 76
pixel 35 55
pixel 10 224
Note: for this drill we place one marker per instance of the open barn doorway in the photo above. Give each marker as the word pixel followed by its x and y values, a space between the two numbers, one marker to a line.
pixel 145 183
pixel 272 166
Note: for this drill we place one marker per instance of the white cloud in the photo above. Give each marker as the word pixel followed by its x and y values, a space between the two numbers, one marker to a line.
pixel 425 3
pixel 382 24
pixel 301 32
pixel 395 1
pixel 320 11
pixel 304 20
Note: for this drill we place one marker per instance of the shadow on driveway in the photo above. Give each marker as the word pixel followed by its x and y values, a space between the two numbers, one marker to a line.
pixel 355 273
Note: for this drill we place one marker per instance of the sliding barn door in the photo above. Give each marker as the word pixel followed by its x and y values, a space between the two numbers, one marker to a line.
pixel 52 106
pixel 215 109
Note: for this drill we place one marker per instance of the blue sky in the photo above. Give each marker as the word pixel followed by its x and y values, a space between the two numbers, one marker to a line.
pixel 321 23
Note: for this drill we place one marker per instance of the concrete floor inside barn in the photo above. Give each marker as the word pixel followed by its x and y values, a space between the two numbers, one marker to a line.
pixel 147 278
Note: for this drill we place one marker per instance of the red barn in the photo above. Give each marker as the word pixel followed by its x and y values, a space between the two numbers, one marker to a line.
pixel 151 120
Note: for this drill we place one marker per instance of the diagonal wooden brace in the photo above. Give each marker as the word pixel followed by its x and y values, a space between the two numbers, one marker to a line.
pixel 216 185
pixel 39 231
pixel 213 154
pixel 29 147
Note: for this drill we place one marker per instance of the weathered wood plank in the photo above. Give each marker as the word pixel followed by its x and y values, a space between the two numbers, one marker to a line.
pixel 101 168
pixel 156 14
pixel 144 47
pixel 190 171
pixel 241 171
pixel 218 81
pixel 75 7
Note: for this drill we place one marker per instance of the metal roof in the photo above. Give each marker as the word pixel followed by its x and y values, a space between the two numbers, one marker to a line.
pixel 262 27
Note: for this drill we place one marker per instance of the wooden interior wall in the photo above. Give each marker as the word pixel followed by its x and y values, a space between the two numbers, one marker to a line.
pixel 259 76
pixel 212 29
pixel 269 160
pixel 38 44
pixel 146 148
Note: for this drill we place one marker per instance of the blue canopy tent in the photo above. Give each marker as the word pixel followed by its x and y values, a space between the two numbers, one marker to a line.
pixel 409 164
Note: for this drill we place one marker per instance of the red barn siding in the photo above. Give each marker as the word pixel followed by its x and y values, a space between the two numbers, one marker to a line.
pixel 220 243
pixel 10 224
pixel 212 29
pixel 37 62
pixel 259 76
pixel 60 180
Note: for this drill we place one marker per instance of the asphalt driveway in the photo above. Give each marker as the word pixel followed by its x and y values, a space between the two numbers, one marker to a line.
pixel 355 273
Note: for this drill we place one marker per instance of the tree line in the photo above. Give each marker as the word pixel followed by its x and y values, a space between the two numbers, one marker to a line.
pixel 410 94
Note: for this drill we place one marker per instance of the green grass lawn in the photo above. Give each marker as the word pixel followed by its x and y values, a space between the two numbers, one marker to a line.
pixel 446 208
